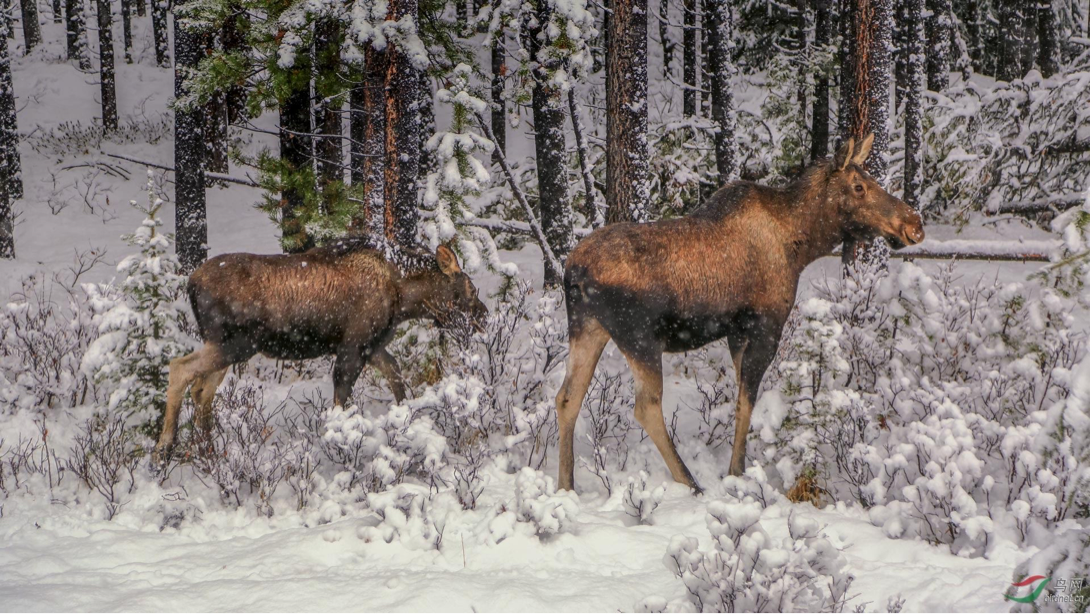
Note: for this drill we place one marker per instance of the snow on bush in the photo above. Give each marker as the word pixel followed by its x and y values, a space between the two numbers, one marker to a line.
pixel 747 571
pixel 411 515
pixel 139 324
pixel 935 404
pixel 537 503
pixel 640 500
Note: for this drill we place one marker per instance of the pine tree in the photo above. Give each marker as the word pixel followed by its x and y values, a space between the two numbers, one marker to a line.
pixel 916 68
pixel 628 190
pixel 1010 41
pixel 870 67
pixel 689 58
pixel 32 30
pixel 159 11
pixel 824 36
pixel 139 325
pixel 405 59
pixel 11 181
pixel 190 222
pixel 58 11
pixel 1046 38
pixel 107 88
pixel 940 44
pixel 720 41
pixel 664 38
pixel 329 87
pixel 126 29
pixel 499 103
pixel 76 34
pixel 371 159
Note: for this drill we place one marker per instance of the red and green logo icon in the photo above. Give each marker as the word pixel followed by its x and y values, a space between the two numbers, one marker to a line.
pixel 1035 584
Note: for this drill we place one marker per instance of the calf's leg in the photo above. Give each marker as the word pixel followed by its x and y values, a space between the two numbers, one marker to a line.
pixel 346 370
pixel 585 348
pixel 385 363
pixel 647 371
pixel 204 392
pixel 752 355
pixel 183 372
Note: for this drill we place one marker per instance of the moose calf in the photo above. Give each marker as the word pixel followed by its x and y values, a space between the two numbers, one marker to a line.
pixel 344 299
pixel 729 269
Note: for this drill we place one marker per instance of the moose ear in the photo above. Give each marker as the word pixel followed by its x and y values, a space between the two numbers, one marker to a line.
pixel 448 261
pixel 843 155
pixel 863 150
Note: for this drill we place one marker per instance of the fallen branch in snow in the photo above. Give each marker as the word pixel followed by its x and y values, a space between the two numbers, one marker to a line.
pixel 213 176
pixel 1057 203
pixel 969 249
pixel 535 227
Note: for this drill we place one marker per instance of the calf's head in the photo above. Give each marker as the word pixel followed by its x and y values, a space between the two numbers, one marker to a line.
pixel 452 297
pixel 866 210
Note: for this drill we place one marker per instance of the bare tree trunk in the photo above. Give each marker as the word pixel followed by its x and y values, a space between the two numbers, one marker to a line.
pixel 76 31
pixel 141 8
pixel 11 180
pixel 1046 38
pixel 328 86
pixel 403 126
pixel 233 41
pixel 916 65
pixel 554 208
pixel 159 32
pixel 32 30
pixel 823 37
pixel 664 37
pixel 627 173
pixel 871 32
pixel 106 66
pixel 58 11
pixel 428 162
pixel 719 31
pixel 688 57
pixel 1009 61
pixel 372 154
pixel 126 29
pixel 499 105
pixel 191 224
pixel 847 70
pixel 940 44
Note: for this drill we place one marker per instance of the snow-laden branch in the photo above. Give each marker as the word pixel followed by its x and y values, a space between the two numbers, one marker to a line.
pixel 1059 203
pixel 535 226
pixel 970 249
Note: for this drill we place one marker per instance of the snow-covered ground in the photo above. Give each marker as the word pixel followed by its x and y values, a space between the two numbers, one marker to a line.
pixel 177 546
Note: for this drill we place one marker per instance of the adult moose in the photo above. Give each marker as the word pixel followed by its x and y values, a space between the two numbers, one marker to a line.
pixel 729 269
pixel 344 299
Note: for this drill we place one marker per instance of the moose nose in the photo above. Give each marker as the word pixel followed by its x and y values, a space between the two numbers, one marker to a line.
pixel 912 232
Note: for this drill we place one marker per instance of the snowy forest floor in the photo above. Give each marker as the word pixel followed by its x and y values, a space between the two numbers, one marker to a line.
pixel 65 556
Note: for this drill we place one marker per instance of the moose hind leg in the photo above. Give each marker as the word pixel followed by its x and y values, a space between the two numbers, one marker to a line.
pixel 387 365
pixel 183 372
pixel 585 349
pixel 204 392
pixel 648 376
pixel 346 370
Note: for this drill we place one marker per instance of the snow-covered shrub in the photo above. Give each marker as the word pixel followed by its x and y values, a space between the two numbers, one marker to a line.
pixel 411 515
pixel 935 404
pixel 537 503
pixel 747 571
pixel 28 460
pixel 139 324
pixel 1066 564
pixel 378 452
pixel 640 500
pixel 608 415
pixel 104 455
pixel 41 343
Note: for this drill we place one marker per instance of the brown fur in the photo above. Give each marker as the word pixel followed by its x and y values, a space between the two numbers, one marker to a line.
pixel 730 269
pixel 344 299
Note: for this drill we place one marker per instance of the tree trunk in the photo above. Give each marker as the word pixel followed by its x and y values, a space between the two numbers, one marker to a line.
pixel 847 71
pixel 719 31
pixel 916 64
pixel 371 160
pixel 900 43
pixel 141 8
pixel 688 58
pixel 627 172
pixel 159 32
pixel 329 87
pixel 403 127
pixel 554 208
pixel 702 77
pixel 32 30
pixel 106 66
pixel 75 35
pixel 871 31
pixel 126 29
pixel 1046 38
pixel 11 180
pixel 823 37
pixel 58 11
pixel 233 41
pixel 297 152
pixel 428 162
pixel 940 44
pixel 1009 58
pixel 1029 34
pixel 974 30
pixel 191 225
pixel 664 37
pixel 499 105
pixel 216 134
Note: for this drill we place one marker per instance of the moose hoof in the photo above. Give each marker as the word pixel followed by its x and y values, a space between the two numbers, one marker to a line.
pixel 160 456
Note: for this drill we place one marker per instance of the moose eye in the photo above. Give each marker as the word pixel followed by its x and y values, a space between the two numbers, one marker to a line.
pixel 858 188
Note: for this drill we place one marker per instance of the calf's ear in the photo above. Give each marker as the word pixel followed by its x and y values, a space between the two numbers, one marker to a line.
pixel 863 151
pixel 843 155
pixel 448 260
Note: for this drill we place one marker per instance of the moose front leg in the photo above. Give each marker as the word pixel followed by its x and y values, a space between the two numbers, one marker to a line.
pixel 346 370
pixel 752 353
pixel 385 363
